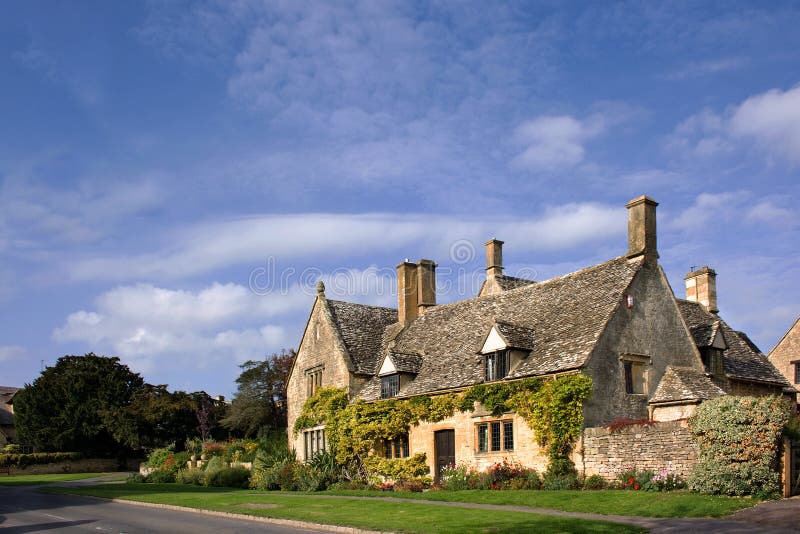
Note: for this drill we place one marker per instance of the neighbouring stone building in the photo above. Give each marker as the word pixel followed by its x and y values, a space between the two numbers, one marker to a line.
pixel 651 356
pixel 7 432
pixel 785 356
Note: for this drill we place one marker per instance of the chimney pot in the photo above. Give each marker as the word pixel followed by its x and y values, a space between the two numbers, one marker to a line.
pixel 494 258
pixel 701 286
pixel 642 228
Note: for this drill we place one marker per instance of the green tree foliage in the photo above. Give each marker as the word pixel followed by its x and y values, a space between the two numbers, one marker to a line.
pixel 739 439
pixel 71 406
pixel 155 417
pixel 260 401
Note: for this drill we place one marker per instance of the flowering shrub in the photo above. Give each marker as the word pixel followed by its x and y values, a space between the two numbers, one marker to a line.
pixel 633 479
pixel 739 439
pixel 500 476
pixel 667 480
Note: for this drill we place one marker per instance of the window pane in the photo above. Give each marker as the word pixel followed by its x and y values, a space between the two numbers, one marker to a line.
pixel 404 446
pixel 495 436
pixel 508 435
pixel 628 377
pixel 482 438
pixel 797 373
pixel 490 366
pixel 305 446
pixel 502 364
pixel 390 385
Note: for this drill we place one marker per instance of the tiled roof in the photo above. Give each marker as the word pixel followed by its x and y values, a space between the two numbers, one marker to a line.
pixel 406 363
pixel 507 283
pixel 565 314
pixel 742 359
pixel 361 328
pixel 518 337
pixel 685 383
pixel 6 393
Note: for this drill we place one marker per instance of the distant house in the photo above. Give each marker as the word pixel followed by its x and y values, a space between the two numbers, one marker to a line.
pixel 7 432
pixel 786 354
pixel 649 354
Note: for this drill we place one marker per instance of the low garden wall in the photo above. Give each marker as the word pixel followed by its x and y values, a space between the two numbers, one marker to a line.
pixel 83 465
pixel 650 447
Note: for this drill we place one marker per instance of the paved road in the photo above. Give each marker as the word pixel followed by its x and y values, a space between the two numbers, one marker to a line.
pixel 23 509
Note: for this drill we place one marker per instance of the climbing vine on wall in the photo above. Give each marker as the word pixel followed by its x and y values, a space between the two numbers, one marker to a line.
pixel 552 407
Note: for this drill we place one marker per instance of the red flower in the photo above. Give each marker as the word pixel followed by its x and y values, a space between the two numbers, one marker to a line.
pixel 630 481
pixel 636 487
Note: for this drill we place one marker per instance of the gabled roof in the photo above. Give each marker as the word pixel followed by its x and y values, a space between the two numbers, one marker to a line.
pixel 742 359
pixel 406 363
pixel 685 384
pixel 361 327
pixel 507 283
pixel 567 315
pixel 518 337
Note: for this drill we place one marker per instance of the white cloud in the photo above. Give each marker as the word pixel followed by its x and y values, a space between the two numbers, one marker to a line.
pixel 334 237
pixel 146 324
pixel 735 207
pixel 11 352
pixel 555 141
pixel 770 120
pixel 695 69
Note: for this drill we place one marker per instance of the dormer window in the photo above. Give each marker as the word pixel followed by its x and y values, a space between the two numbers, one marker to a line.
pixel 390 385
pixel 496 365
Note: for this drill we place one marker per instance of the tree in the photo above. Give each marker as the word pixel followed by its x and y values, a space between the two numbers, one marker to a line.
pixel 154 418
pixel 73 405
pixel 260 401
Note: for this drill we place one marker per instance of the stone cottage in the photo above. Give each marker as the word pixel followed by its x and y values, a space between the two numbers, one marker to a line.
pixel 650 355
pixel 785 356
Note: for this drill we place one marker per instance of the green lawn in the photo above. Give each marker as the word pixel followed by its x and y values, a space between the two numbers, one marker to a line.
pixel 379 515
pixel 610 502
pixel 32 480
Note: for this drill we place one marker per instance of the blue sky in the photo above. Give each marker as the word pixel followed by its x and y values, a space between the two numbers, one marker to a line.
pixel 175 177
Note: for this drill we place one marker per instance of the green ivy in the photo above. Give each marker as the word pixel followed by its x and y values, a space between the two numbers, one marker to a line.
pixel 552 407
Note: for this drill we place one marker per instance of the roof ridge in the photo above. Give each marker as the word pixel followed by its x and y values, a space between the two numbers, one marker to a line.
pixel 362 305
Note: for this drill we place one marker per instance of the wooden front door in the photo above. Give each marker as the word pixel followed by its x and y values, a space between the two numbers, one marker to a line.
pixel 444 450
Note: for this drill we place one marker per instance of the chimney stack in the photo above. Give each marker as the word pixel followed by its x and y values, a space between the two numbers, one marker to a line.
pixel 701 286
pixel 426 285
pixel 494 258
pixel 642 228
pixel 406 292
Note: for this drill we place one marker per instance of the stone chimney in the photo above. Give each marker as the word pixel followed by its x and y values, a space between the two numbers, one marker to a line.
pixel 701 286
pixel 494 258
pixel 426 285
pixel 407 292
pixel 642 228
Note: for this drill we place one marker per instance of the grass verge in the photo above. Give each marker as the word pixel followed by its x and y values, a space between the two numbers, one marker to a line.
pixel 609 502
pixel 376 515
pixel 33 480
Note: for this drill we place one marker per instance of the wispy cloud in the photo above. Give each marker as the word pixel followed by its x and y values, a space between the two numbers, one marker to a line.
pixel 555 142
pixel 11 352
pixel 708 67
pixel 335 237
pixel 770 120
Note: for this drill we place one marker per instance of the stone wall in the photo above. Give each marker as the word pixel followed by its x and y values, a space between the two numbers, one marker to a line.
pixel 787 351
pixel 646 447
pixel 84 465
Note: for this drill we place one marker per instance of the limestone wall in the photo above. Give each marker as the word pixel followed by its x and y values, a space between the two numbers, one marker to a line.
pixel 653 447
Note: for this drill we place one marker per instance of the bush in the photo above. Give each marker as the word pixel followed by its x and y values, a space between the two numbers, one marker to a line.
pixel 189 476
pixel 135 478
pixel 227 477
pixel 279 472
pixel 666 480
pixel 398 469
pixel 594 482
pixel 561 474
pixel 455 477
pixel 160 476
pixel 22 460
pixel 158 457
pixel 739 439
pixel 350 485
pixel 633 479
pixel 412 484
pixel 12 448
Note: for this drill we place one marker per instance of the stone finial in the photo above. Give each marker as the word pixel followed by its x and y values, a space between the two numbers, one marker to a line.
pixel 321 288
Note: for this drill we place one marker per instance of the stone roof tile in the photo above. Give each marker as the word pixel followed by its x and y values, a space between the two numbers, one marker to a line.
pixel 362 327
pixel 684 384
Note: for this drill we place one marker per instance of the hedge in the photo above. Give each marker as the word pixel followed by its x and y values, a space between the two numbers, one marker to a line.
pixel 22 460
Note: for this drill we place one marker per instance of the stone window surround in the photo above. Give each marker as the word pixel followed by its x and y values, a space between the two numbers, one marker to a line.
pixel 396 448
pixel 506 443
pixel 638 360
pixel 390 385
pixel 313 379
pixel 314 441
